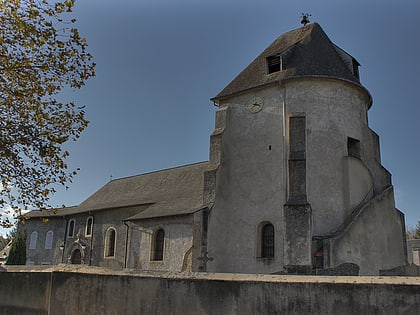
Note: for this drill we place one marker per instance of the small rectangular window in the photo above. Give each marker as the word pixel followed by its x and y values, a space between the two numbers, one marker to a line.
pixel 355 68
pixel 353 147
pixel 273 64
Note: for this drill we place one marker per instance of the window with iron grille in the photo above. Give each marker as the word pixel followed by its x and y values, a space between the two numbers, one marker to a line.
pixel 267 241
pixel 110 243
pixel 158 245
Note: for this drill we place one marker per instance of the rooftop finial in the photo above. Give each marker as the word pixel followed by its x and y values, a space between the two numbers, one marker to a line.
pixel 305 18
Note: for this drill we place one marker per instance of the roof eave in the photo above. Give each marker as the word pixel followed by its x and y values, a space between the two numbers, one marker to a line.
pixel 218 99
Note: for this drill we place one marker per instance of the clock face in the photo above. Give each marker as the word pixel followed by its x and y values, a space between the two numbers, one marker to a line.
pixel 256 104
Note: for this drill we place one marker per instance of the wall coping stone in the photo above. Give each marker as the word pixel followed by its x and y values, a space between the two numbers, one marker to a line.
pixel 232 277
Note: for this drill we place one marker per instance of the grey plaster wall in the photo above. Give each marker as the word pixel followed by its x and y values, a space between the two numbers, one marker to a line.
pixel 40 255
pixel 374 240
pixel 103 221
pixel 335 110
pixel 358 186
pixel 91 247
pixel 250 183
pixel 178 244
pixel 101 292
pixel 79 240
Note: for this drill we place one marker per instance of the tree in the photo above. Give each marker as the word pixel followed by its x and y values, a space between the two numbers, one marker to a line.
pixel 3 242
pixel 417 231
pixel 41 53
pixel 413 232
pixel 17 253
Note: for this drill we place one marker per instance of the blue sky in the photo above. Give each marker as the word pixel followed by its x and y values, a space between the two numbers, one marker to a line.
pixel 159 62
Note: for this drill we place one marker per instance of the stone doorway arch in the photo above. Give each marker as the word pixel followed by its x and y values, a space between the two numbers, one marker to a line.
pixel 76 257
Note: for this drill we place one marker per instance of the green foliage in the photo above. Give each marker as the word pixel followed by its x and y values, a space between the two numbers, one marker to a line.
pixel 17 254
pixel 41 53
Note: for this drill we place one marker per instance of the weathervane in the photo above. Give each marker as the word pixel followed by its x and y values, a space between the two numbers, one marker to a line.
pixel 305 18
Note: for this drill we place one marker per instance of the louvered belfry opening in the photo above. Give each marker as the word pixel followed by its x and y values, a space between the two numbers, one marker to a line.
pixel 273 64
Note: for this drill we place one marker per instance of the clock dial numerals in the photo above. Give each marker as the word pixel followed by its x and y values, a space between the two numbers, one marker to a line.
pixel 256 105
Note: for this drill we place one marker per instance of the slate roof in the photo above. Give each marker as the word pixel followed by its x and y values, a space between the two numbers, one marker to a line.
pixel 306 51
pixel 174 191
pixel 51 213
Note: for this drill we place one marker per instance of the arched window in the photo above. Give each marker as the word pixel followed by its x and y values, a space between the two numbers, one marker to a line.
pixel 49 240
pixel 267 241
pixel 89 226
pixel 33 239
pixel 158 244
pixel 110 242
pixel 71 227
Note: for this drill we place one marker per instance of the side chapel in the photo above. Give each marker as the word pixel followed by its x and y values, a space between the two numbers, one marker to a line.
pixel 294 183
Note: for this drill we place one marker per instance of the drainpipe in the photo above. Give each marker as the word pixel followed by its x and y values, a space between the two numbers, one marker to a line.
pixel 285 141
pixel 91 240
pixel 64 241
pixel 126 245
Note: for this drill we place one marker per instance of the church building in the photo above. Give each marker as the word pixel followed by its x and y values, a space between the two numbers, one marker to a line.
pixel 294 183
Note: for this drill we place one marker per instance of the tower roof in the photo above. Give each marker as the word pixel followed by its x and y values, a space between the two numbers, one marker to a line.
pixel 303 52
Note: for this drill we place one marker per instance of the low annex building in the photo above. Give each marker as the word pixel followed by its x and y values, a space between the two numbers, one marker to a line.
pixel 294 183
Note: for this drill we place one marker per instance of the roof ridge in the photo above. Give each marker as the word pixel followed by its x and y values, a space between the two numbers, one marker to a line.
pixel 158 171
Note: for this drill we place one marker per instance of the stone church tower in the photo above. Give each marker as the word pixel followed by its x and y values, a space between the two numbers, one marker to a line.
pixel 298 184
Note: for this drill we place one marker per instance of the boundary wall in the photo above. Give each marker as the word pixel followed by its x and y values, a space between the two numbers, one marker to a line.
pixel 89 290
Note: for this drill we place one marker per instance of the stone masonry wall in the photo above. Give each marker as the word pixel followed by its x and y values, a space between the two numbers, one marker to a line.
pixel 88 290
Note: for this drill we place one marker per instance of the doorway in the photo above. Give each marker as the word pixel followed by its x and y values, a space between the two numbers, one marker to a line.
pixel 76 257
